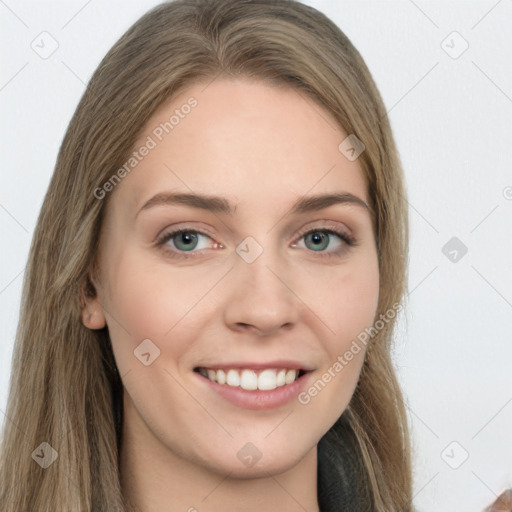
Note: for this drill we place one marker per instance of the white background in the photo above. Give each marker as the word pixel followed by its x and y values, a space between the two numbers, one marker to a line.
pixel 452 119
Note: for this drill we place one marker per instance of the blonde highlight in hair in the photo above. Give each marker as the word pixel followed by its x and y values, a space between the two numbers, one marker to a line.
pixel 65 389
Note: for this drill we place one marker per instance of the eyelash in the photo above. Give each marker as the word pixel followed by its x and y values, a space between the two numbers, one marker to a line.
pixel 350 241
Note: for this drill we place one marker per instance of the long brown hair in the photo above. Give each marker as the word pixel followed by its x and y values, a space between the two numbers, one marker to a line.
pixel 64 387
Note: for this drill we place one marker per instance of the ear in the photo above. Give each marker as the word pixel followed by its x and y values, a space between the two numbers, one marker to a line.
pixel 93 316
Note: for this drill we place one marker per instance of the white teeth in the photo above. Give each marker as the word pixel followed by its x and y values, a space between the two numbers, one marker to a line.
pixel 250 380
pixel 290 376
pixel 232 378
pixel 221 376
pixel 267 379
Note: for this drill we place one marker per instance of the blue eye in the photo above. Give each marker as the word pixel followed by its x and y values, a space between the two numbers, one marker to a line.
pixel 186 241
pixel 322 237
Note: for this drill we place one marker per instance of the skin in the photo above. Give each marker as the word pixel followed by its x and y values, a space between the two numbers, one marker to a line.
pixel 262 147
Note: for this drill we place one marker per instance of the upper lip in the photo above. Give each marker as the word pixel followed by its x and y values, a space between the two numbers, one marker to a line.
pixel 280 364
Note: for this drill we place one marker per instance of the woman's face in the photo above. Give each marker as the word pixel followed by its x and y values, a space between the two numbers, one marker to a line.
pixel 245 287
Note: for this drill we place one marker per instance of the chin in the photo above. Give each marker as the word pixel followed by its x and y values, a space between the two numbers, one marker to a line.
pixel 248 462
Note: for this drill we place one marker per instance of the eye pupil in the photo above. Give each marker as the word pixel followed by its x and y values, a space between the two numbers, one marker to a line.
pixel 187 237
pixel 317 237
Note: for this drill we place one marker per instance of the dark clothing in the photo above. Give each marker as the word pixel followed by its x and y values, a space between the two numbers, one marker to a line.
pixel 339 463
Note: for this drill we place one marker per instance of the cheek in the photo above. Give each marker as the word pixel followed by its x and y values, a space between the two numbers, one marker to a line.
pixel 348 307
pixel 346 299
pixel 153 300
pixel 358 296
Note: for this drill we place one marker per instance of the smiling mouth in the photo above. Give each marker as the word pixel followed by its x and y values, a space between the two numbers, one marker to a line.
pixel 251 380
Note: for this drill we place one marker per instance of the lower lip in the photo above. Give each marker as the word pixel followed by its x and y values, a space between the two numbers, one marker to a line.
pixel 257 399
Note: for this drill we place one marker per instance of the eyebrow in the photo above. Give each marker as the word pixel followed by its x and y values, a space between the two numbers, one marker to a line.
pixel 217 204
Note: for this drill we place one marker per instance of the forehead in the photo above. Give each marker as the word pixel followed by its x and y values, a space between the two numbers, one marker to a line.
pixel 249 141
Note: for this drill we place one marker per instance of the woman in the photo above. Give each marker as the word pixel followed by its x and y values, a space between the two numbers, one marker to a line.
pixel 255 372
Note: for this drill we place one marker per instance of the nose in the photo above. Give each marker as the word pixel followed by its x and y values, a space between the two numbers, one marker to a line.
pixel 261 299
